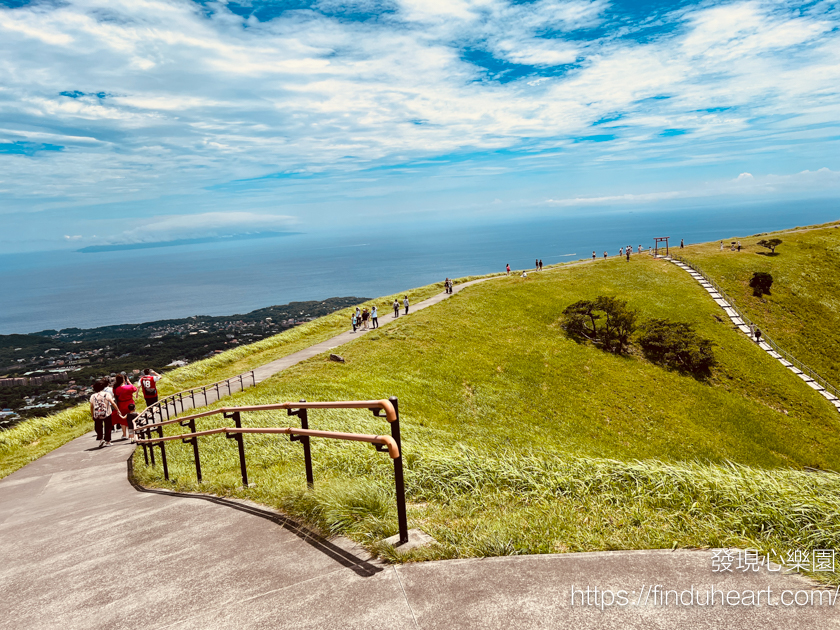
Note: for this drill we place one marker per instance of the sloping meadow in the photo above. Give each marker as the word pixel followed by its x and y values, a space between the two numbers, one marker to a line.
pixel 519 440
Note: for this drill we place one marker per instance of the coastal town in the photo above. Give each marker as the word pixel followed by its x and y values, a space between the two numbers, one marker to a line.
pixel 55 369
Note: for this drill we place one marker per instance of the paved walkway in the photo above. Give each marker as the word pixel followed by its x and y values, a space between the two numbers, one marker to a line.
pixel 80 547
pixel 741 325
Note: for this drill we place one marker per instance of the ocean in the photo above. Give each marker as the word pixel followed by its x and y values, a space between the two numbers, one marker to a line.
pixel 63 289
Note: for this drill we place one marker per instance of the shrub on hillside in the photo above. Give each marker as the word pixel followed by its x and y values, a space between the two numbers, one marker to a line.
pixel 676 345
pixel 605 321
pixel 760 283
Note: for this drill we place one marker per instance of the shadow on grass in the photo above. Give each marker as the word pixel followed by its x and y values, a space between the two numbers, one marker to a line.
pixel 359 566
pixel 770 254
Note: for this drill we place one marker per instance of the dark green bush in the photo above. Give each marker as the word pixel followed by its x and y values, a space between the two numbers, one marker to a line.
pixel 676 345
pixel 605 321
pixel 760 283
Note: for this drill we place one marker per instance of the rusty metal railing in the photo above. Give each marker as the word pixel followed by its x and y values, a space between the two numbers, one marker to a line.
pixel 389 409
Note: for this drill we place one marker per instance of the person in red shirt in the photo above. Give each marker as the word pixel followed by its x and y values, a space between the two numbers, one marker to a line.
pixel 148 384
pixel 124 395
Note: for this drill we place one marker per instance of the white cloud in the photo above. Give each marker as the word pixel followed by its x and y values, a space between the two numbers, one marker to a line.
pixel 174 101
pixel 172 227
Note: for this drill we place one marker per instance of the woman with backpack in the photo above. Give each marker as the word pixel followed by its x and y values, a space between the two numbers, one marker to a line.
pixel 102 405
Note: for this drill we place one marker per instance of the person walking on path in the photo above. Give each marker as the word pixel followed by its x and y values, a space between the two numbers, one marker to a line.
pixel 124 395
pixel 540 265
pixel 721 246
pixel 739 246
pixel 593 254
pixel 365 315
pixel 130 417
pixel 353 321
pixel 537 264
pixel 605 255
pixel 758 335
pixel 148 384
pixel 621 252
pixel 628 254
pixel 405 303
pixel 374 317
pixel 640 249
pixel 682 243
pixel 102 408
pixel 396 308
pixel 507 267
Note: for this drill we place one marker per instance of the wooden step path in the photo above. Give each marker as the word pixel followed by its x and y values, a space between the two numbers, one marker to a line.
pixel 741 325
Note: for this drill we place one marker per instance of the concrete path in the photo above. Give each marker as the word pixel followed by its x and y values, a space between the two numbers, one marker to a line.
pixel 80 547
pixel 741 325
pixel 269 369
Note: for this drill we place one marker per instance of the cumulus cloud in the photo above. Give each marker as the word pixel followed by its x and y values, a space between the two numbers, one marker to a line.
pixel 154 98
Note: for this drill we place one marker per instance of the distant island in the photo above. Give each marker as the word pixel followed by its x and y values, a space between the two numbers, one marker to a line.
pixel 96 249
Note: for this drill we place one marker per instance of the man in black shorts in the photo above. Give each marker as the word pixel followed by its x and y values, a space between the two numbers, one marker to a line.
pixel 148 384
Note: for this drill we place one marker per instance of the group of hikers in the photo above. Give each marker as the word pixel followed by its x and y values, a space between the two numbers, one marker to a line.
pixel 360 318
pixel 113 403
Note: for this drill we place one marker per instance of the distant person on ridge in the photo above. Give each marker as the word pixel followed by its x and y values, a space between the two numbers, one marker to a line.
pixel 682 244
pixel 540 264
pixel 507 267
pixel 148 384
pixel 365 316
pixel 593 254
pixel 102 405
pixel 605 255
pixel 405 303
pixel 353 321
pixel 396 308
pixel 374 317
pixel 628 254
pixel 537 265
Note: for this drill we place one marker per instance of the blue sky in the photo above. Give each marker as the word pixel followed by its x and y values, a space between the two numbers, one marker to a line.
pixel 147 120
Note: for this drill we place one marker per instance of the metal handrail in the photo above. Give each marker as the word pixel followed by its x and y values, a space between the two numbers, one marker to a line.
pixel 815 376
pixel 385 405
pixel 385 440
pixel 158 407
pixel 387 409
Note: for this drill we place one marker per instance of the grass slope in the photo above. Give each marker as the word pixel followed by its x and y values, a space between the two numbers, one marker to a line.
pixel 31 439
pixel 519 440
pixel 803 311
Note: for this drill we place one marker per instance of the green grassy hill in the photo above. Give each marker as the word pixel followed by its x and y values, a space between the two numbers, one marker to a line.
pixel 520 440
pixel 803 311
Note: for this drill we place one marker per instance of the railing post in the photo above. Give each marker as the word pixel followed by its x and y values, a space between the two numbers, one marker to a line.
pixel 204 391
pixel 240 443
pixel 194 440
pixel 167 410
pixel 399 480
pixel 241 384
pixel 253 378
pixel 192 397
pixel 163 455
pixel 304 439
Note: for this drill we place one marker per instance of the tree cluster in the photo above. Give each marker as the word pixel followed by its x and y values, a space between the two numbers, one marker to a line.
pixel 609 323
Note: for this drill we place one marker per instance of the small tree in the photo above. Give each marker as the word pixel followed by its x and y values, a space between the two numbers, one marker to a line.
pixel 770 244
pixel 676 345
pixel 606 321
pixel 760 283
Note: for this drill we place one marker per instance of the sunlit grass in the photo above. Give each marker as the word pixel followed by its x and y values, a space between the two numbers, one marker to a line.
pixel 519 440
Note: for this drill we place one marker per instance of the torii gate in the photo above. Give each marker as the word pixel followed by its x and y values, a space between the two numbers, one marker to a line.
pixel 657 240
